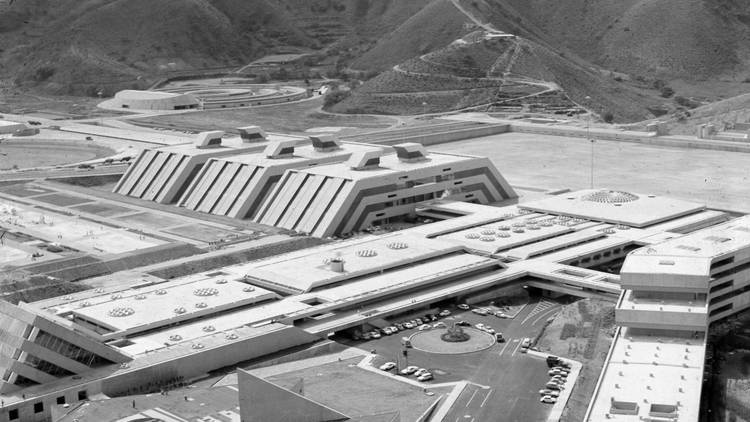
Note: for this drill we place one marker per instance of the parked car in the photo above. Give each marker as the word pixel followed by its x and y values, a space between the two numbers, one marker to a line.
pixel 439 325
pixel 479 326
pixel 489 329
pixel 526 343
pixel 408 325
pixel 429 317
pixel 420 371
pixel 387 366
pixel 424 327
pixel 548 392
pixel 499 337
pixel 501 315
pixel 444 313
pixel 463 324
pixel 463 306
pixel 548 399
pixel 406 342
pixel 480 311
pixel 366 336
pixel 425 377
pixel 419 321
pixel 376 335
pixel 553 386
pixel 85 166
pixel 400 326
pixel 409 370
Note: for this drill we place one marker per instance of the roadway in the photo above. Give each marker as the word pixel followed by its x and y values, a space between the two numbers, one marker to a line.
pixel 504 382
pixel 66 172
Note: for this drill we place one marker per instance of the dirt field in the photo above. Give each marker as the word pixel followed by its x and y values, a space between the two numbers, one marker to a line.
pixel 17 153
pixel 285 118
pixel 581 331
pixel 717 178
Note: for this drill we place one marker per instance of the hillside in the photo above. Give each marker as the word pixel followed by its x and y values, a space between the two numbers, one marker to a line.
pixel 496 72
pixel 82 46
pixel 698 39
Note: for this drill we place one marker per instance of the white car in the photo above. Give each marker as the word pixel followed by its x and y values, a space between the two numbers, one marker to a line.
pixel 548 399
pixel 387 366
pixel 439 325
pixel 489 329
pixel 548 392
pixel 408 325
pixel 480 311
pixel 501 315
pixel 425 377
pixel 375 334
pixel 479 326
pixel 420 371
pixel 409 370
pixel 463 306
pixel 425 327
pixel 444 313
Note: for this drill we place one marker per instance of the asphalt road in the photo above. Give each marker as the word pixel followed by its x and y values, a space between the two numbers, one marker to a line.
pixel 63 173
pixel 506 381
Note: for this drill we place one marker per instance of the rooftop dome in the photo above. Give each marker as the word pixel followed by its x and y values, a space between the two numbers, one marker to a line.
pixel 610 197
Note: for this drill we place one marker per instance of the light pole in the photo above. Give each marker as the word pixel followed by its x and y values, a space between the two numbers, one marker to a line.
pixel 424 107
pixel 591 140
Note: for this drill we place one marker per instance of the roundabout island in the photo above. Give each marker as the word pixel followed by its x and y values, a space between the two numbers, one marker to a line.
pixel 452 341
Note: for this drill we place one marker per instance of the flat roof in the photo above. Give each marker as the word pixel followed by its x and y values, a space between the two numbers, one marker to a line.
pixel 227 143
pixel 308 269
pixel 710 242
pixel 618 207
pixel 646 371
pixel 301 153
pixel 146 95
pixel 513 232
pixel 390 164
pixel 9 123
pixel 158 305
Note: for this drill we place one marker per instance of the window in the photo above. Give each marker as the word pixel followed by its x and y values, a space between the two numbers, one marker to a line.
pixel 69 350
pixel 38 407
pixel 721 286
pixel 61 400
pixel 83 395
pixel 722 262
pixel 13 414
pixel 724 308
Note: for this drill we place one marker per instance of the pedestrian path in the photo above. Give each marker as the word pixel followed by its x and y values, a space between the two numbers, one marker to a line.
pixel 540 307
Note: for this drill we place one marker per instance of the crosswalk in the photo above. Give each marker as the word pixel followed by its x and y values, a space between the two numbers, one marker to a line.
pixel 540 307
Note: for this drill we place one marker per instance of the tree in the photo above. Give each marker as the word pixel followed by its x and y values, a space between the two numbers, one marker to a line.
pixel 608 117
pixel 667 91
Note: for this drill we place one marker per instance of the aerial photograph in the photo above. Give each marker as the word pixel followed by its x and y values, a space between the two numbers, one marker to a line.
pixel 374 210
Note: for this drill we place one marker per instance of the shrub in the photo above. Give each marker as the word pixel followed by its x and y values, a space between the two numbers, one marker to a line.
pixel 335 97
pixel 568 330
pixel 667 92
pixel 43 73
pixel 686 102
pixel 608 117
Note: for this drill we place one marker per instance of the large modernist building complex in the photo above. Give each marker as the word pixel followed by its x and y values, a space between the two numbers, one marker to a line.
pixel 684 266
pixel 319 186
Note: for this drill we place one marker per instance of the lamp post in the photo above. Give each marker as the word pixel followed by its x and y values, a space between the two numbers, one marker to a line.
pixel 591 140
pixel 424 107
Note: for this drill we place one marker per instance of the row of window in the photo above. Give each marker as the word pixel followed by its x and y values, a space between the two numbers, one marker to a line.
pixel 13 414
pixel 729 295
pixel 69 350
pixel 730 271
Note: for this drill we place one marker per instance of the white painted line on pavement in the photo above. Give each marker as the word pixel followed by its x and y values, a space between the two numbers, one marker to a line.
pixel 504 347
pixel 472 398
pixel 486 397
pixel 516 349
pixel 543 315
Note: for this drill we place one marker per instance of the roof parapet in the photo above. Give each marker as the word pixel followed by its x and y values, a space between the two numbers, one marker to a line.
pixel 410 152
pixel 365 160
pixel 325 143
pixel 250 134
pixel 280 149
pixel 210 139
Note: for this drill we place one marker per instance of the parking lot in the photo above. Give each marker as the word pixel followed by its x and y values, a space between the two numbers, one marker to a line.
pixel 505 380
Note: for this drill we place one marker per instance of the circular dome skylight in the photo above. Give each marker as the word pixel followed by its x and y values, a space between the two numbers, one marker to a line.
pixel 120 312
pixel 397 245
pixel 206 291
pixel 610 197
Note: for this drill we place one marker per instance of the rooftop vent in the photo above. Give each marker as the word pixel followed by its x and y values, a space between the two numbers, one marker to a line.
pixel 209 139
pixel 325 143
pixel 365 160
pixel 280 149
pixel 410 152
pixel 251 134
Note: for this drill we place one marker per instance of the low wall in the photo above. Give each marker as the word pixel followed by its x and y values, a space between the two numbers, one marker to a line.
pixel 627 136
pixel 450 136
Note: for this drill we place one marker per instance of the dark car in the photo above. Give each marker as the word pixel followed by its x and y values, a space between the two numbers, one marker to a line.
pixel 463 324
pixel 85 166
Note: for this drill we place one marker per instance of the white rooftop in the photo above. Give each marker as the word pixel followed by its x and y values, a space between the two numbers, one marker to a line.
pixel 637 210
pixel 650 371
pixel 301 153
pixel 135 310
pixel 307 269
